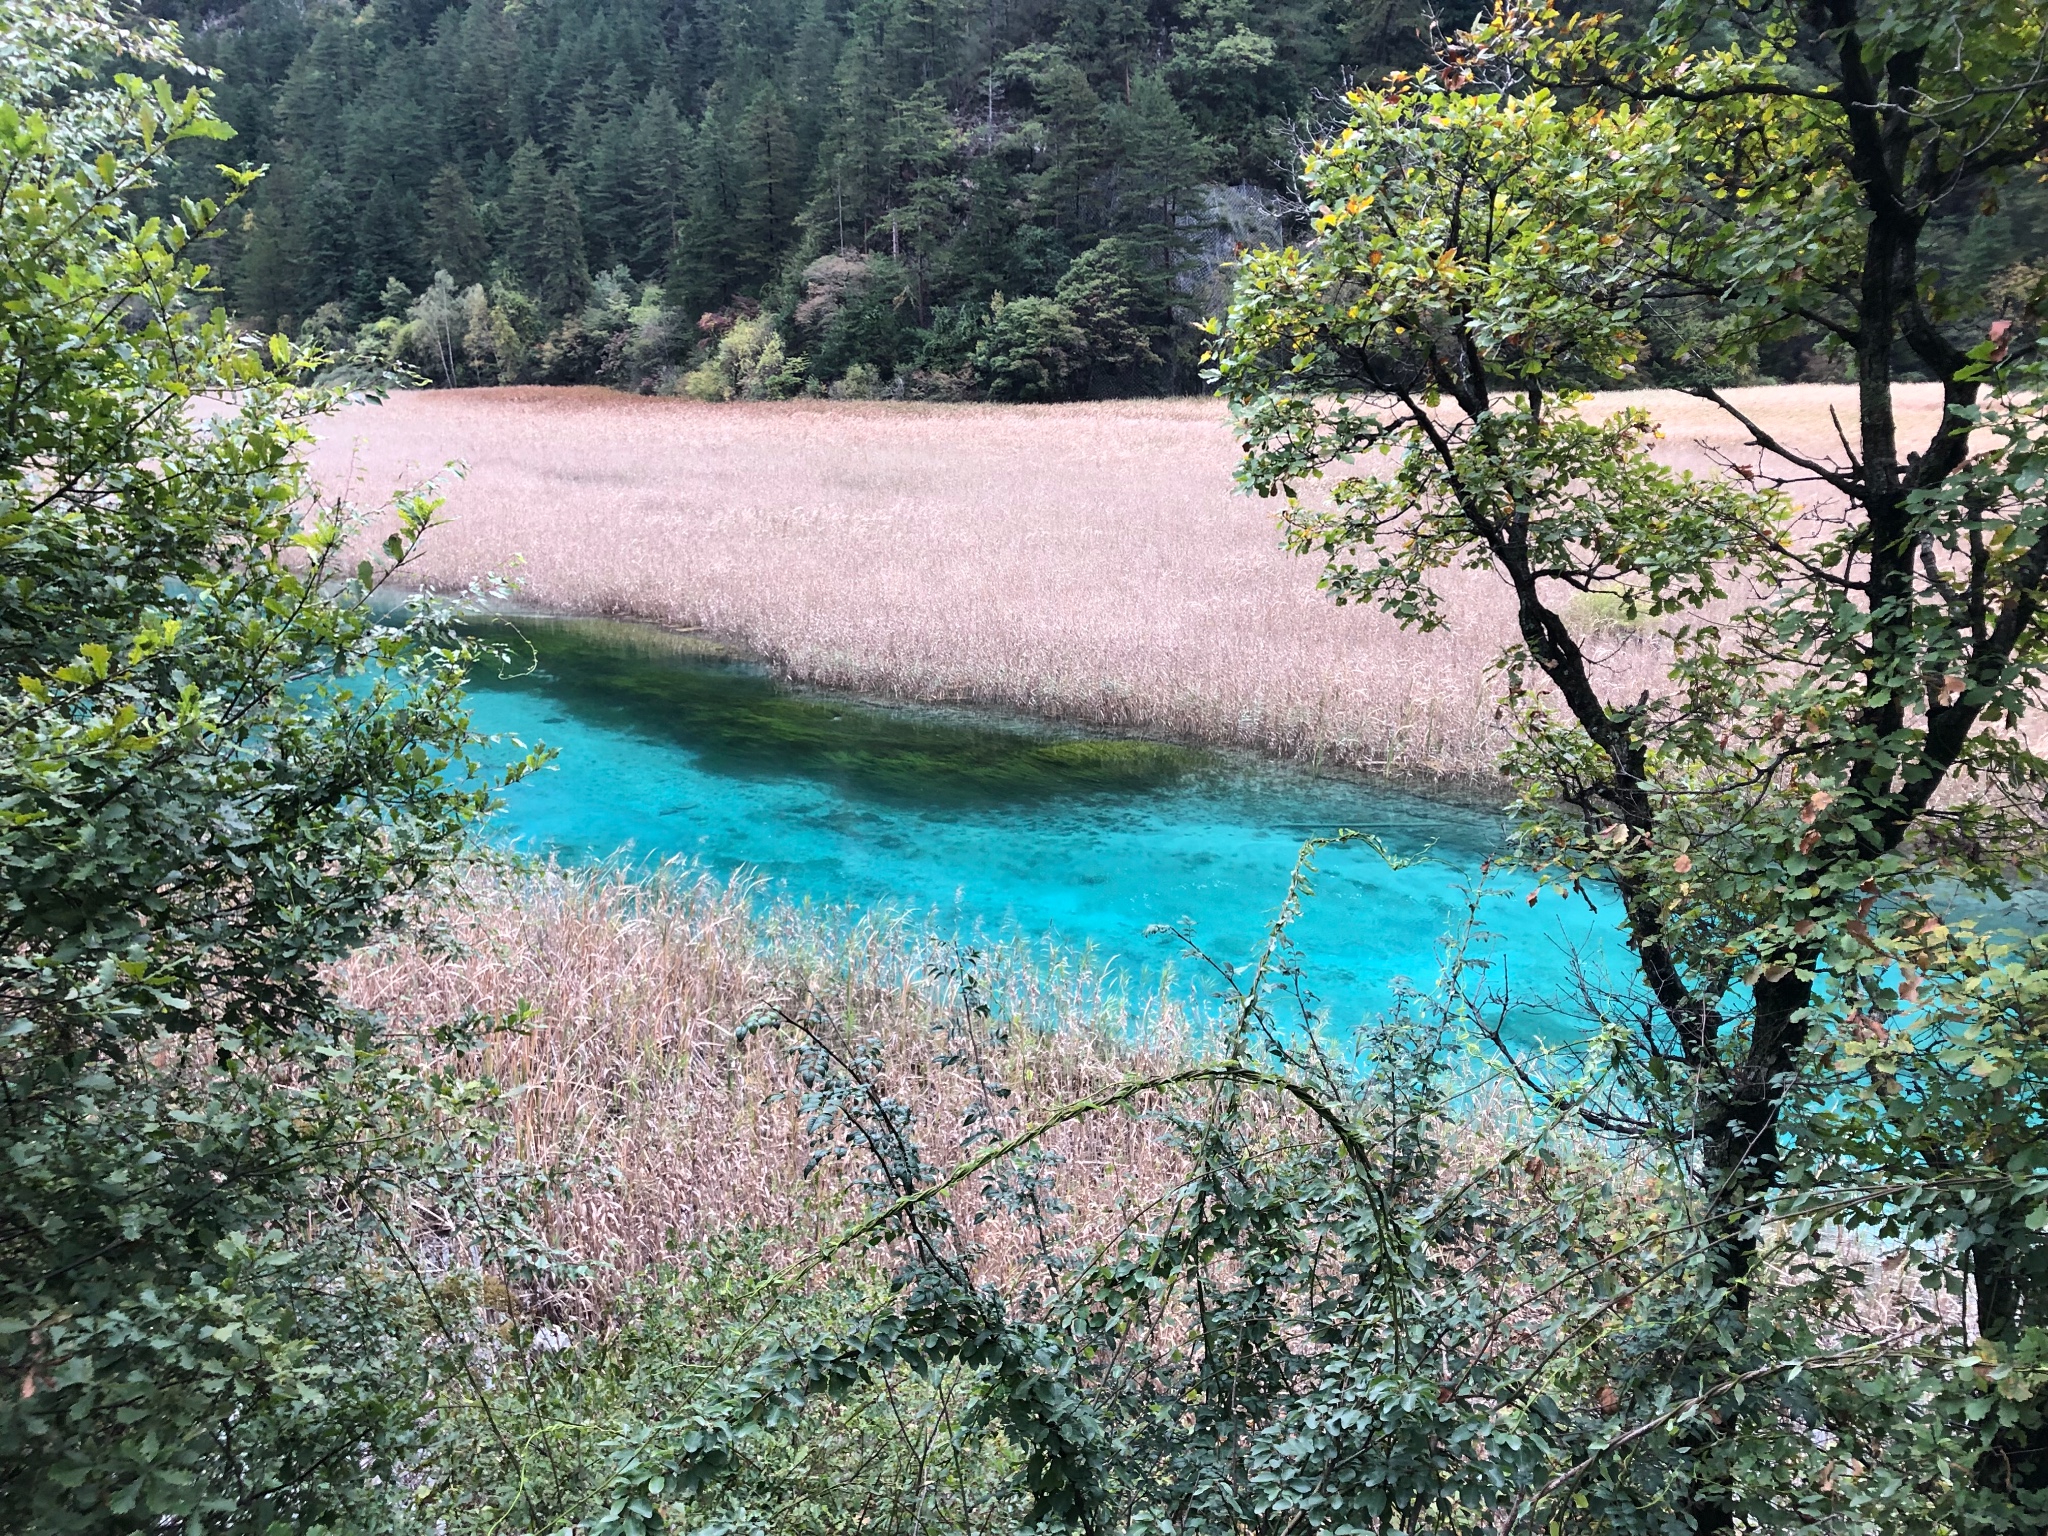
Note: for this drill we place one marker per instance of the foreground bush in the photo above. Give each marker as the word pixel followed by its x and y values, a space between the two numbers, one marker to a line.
pixel 928 1268
pixel 216 771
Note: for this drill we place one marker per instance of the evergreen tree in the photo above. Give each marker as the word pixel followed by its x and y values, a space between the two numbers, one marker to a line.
pixel 813 55
pixel 479 51
pixel 577 146
pixel 721 144
pixel 770 190
pixel 455 241
pixel 271 269
pixel 1114 306
pixel 1161 162
pixel 925 210
pixel 386 243
pixel 1109 35
pixel 563 286
pixel 983 256
pixel 606 167
pixel 1071 125
pixel 327 222
pixel 606 179
pixel 522 213
pixel 853 181
pixel 703 262
pixel 660 152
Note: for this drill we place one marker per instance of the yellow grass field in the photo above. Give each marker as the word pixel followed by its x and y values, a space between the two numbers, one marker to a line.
pixel 629 1082
pixel 1087 562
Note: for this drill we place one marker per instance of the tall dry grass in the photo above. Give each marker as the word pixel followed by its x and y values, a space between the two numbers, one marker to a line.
pixel 1083 562
pixel 629 1082
pixel 664 1129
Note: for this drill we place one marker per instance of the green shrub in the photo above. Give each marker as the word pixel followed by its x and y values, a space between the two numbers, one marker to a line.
pixel 749 364
pixel 1115 307
pixel 588 1410
pixel 217 772
pixel 1030 350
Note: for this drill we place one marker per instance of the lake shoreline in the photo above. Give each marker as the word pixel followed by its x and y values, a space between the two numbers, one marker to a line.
pixel 1094 564
pixel 1462 790
pixel 991 823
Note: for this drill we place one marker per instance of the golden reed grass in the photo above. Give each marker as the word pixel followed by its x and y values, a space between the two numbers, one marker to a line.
pixel 1085 562
pixel 661 1128
pixel 629 1082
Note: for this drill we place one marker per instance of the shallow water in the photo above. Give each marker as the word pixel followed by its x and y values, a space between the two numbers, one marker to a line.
pixel 1000 826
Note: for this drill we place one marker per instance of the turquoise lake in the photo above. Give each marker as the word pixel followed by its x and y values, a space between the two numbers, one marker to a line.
pixel 983 824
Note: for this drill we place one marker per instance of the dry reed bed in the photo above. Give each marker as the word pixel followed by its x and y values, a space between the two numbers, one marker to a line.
pixel 629 1084
pixel 1083 562
pixel 628 1079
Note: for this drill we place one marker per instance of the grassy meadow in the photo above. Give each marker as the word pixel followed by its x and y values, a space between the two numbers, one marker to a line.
pixel 1090 563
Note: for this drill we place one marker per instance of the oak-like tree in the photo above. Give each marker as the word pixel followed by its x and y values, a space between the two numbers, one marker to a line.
pixel 1856 633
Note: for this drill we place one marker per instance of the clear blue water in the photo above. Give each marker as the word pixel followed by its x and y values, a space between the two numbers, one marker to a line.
pixel 998 826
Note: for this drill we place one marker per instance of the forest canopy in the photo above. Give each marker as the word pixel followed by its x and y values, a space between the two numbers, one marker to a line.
pixel 1014 199
pixel 614 190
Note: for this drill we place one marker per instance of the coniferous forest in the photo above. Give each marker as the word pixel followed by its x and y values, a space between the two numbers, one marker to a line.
pixel 1011 199
pixel 1025 199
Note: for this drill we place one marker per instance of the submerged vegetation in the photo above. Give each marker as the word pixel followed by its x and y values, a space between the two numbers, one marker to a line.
pixel 357 1186
pixel 741 721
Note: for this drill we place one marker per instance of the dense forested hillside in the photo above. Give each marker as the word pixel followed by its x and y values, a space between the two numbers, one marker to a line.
pixel 1025 199
pixel 1015 196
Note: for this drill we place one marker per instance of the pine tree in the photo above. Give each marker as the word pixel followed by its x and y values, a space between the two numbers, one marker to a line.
pixel 327 220
pixel 563 286
pixel 701 265
pixel 983 256
pixel 1114 305
pixel 715 143
pixel 455 241
pixel 770 193
pixel 852 184
pixel 923 37
pixel 1161 161
pixel 660 170
pixel 271 268
pixel 813 52
pixel 386 243
pixel 925 212
pixel 1070 118
pixel 481 66
pixel 605 180
pixel 1104 37
pixel 521 214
